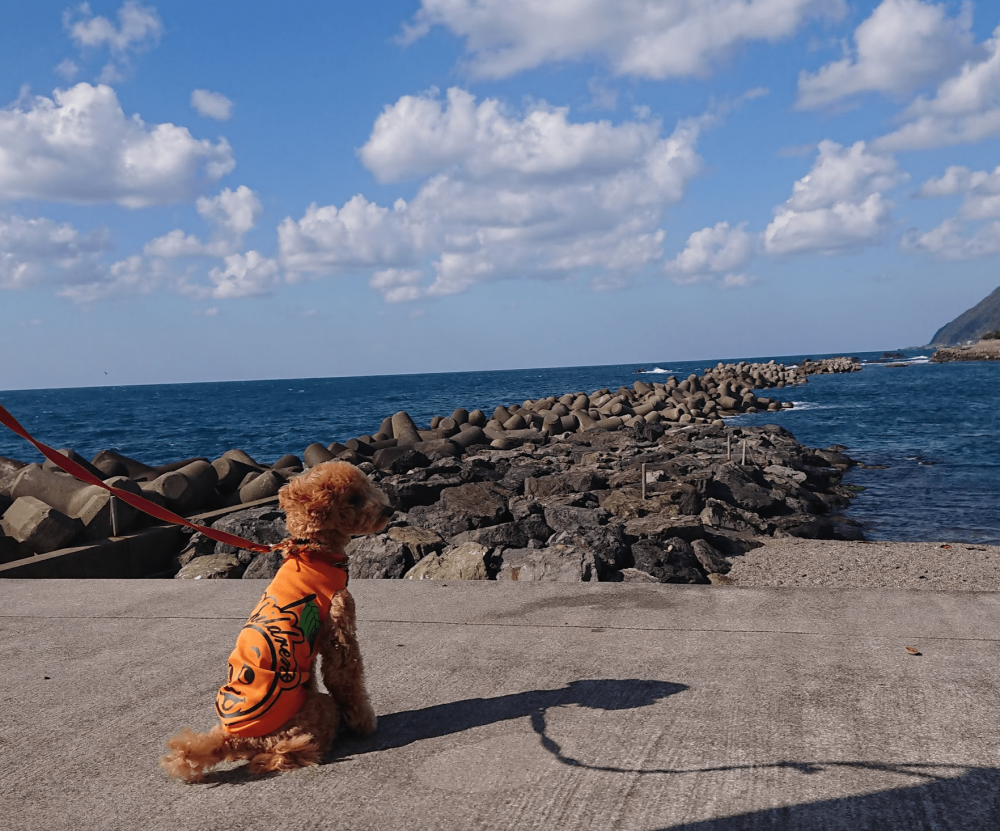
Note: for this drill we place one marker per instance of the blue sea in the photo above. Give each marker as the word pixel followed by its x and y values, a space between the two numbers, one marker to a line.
pixel 935 427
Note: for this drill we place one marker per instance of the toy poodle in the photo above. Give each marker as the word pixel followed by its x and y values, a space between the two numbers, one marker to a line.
pixel 270 708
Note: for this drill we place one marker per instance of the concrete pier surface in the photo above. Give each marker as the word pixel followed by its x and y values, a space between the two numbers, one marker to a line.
pixel 507 706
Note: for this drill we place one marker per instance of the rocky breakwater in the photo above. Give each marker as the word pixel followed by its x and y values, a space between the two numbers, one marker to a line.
pixel 643 483
pixel 987 349
pixel 44 509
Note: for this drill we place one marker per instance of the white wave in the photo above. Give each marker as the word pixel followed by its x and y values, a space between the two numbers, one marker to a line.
pixel 916 359
pixel 660 371
pixel 810 405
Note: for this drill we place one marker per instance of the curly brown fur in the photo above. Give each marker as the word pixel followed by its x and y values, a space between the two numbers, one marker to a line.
pixel 327 505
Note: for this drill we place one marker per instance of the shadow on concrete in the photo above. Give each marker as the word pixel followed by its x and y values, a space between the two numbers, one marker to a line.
pixel 943 796
pixel 964 801
pixel 401 729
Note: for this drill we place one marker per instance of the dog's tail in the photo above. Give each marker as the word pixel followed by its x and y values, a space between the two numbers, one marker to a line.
pixel 191 753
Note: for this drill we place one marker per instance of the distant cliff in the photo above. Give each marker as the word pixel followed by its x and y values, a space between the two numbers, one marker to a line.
pixel 973 324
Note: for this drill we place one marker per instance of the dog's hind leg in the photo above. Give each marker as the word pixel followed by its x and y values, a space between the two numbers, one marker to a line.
pixel 303 740
pixel 343 670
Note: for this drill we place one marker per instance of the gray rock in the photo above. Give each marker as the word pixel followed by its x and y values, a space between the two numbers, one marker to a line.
pixel 574 481
pixel 804 526
pixel 212 567
pixel 418 542
pixel 712 562
pixel 847 529
pixel 728 517
pixel 558 564
pixel 671 562
pixel 633 575
pixel 607 544
pixel 264 525
pixel 664 527
pixel 780 473
pixel 566 518
pixel 483 503
pixel 198 546
pixel 264 566
pixel 736 485
pixel 378 557
pixel 464 562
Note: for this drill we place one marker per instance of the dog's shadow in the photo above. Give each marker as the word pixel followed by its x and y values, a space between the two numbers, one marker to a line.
pixel 409 726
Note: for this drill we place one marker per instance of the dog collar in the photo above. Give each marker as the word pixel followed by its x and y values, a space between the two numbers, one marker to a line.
pixel 297 547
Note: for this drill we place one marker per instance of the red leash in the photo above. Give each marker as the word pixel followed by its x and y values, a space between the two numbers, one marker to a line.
pixel 138 502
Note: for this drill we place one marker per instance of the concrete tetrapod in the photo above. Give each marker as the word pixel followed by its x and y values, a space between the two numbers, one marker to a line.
pixel 89 503
pixel 39 526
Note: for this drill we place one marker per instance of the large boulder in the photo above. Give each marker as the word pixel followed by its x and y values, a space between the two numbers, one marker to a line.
pixel 606 544
pixel 727 517
pixel 662 528
pixel 568 518
pixel 743 487
pixel 463 562
pixel 558 564
pixel 476 505
pixel 378 557
pixel 516 534
pixel 574 481
pixel 264 525
pixel 711 560
pixel 418 542
pixel 673 561
pixel 629 504
pixel 264 566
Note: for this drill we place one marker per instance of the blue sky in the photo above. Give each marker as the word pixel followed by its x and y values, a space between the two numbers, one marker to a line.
pixel 221 191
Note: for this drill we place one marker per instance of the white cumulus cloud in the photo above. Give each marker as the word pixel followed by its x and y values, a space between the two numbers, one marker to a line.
pixel 643 38
pixel 949 242
pixel 901 46
pixel 139 29
pixel 34 251
pixel 502 195
pixel 133 275
pixel 980 188
pixel 212 104
pixel 714 251
pixel 244 275
pixel 838 206
pixel 78 146
pixel 964 110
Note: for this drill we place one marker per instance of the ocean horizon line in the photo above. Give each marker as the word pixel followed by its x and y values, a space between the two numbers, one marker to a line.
pixel 783 358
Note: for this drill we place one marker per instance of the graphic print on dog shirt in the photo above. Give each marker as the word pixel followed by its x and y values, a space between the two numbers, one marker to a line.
pixel 270 665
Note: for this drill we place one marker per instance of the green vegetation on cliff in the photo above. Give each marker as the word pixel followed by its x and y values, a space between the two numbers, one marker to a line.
pixel 981 319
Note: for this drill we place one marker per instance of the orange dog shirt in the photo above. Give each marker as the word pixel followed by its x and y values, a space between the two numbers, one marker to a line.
pixel 270 665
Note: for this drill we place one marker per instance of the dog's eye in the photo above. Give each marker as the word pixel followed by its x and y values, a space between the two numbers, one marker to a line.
pixel 355 500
